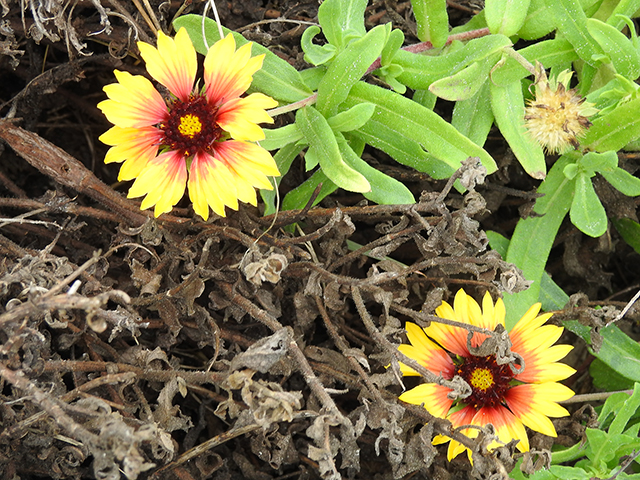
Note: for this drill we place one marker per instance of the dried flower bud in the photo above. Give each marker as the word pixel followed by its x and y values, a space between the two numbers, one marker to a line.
pixel 557 116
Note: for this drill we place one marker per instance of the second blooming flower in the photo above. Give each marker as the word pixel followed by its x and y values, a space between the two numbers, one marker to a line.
pixel 200 138
pixel 507 399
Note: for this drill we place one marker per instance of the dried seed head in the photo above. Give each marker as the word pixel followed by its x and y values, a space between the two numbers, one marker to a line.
pixel 557 116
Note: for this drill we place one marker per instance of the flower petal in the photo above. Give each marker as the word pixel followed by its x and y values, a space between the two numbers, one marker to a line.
pixel 227 72
pixel 240 116
pixel 451 338
pixel 250 165
pixel 133 102
pixel 508 426
pixel 211 184
pixel 427 353
pixel 173 63
pixel 133 146
pixel 533 404
pixel 162 181
pixel 432 396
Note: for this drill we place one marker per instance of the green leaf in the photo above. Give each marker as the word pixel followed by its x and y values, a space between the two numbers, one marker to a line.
pixel 347 69
pixel 618 350
pixel 277 78
pixel 279 137
pixel 384 189
pixel 617 47
pixel 473 118
pixel 538 22
pixel 394 43
pixel 629 409
pixel 534 236
pixel 353 118
pixel 321 138
pixel 505 16
pixel 401 119
pixel 587 212
pixel 300 196
pixel 612 406
pixel 316 54
pixel 629 230
pixel 284 158
pixel 572 24
pixel 624 8
pixel 615 129
pixel 599 162
pixel 342 20
pixel 466 83
pixel 432 21
pixel 623 181
pixel 507 104
pixel 420 71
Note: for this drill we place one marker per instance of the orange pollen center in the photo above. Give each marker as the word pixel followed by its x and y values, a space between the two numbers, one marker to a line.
pixel 190 125
pixel 481 378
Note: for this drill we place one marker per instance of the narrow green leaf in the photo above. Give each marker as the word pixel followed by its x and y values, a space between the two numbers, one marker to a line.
pixel 353 118
pixel 342 20
pixel 416 123
pixel 572 24
pixel 279 137
pixel 300 196
pixel 599 162
pixel 394 43
pixel 284 158
pixel 587 212
pixel 473 118
pixel 320 137
pixel 538 22
pixel 629 230
pixel 617 47
pixel 507 104
pixel 606 378
pixel 277 78
pixel 466 83
pixel 533 237
pixel 615 129
pixel 347 69
pixel 316 54
pixel 432 21
pixel 420 71
pixel 505 16
pixel 625 8
pixel 623 181
pixel 629 409
pixel 384 189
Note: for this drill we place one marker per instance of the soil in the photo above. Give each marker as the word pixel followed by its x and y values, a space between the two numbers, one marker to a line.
pixel 134 347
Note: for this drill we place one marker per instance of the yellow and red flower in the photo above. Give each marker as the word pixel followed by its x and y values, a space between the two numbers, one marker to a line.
pixel 200 138
pixel 508 400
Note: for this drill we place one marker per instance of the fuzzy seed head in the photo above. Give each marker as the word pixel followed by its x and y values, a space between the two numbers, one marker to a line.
pixel 557 117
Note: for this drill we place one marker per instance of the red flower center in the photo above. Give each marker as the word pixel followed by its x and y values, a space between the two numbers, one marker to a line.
pixel 489 381
pixel 191 126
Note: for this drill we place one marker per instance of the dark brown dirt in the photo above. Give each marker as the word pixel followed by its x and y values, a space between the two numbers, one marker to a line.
pixel 144 339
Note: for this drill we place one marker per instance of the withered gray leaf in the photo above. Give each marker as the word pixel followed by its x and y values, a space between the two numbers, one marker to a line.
pixel 264 353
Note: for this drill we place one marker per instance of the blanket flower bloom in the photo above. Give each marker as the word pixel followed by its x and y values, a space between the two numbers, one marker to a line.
pixel 200 138
pixel 509 401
